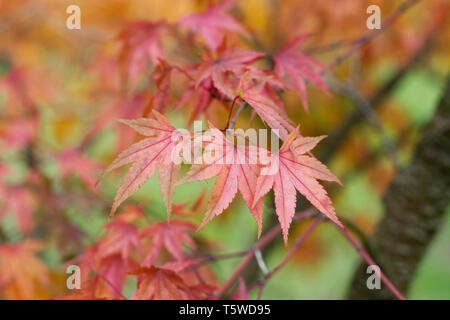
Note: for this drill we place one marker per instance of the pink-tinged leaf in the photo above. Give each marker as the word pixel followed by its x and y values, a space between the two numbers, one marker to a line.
pixel 169 173
pixel 159 284
pixel 299 68
pixel 225 71
pixel 269 112
pixel 212 24
pixel 171 236
pixel 246 184
pixel 291 171
pixel 304 144
pixel 285 199
pixel 223 193
pixel 234 170
pixel 137 175
pixel 121 239
pixel 74 162
pixel 314 168
pixel 147 157
pixel 140 43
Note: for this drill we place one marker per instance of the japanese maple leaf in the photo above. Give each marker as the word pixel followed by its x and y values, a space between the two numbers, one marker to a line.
pixel 122 237
pixel 113 270
pixel 161 75
pixel 159 284
pixel 234 170
pixel 74 162
pixel 169 235
pixel 166 283
pixel 292 170
pixel 217 78
pixel 233 61
pixel 140 42
pixel 148 155
pixel 201 96
pixel 212 24
pixel 269 111
pixel 298 67
pixel 21 271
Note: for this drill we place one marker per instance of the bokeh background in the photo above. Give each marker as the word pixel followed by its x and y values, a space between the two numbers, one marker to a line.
pixel 60 89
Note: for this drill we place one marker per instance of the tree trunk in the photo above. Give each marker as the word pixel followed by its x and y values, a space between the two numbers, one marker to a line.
pixel 414 204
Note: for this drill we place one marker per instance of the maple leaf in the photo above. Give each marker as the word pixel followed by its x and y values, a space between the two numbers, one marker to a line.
pixel 217 78
pixel 299 67
pixel 147 156
pixel 169 235
pixel 235 61
pixel 291 170
pixel 73 161
pixel 269 111
pixel 234 170
pixel 165 283
pixel 212 24
pixel 112 270
pixel 140 42
pixel 161 75
pixel 21 271
pixel 159 284
pixel 202 97
pixel 121 239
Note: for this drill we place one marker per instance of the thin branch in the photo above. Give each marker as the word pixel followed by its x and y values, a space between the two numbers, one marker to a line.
pixel 370 261
pixel 265 240
pixel 238 112
pixel 261 283
pixel 260 261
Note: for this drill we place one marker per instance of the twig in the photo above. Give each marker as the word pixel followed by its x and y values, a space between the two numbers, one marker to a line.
pixel 370 261
pixel 260 261
pixel 261 283
pixel 265 240
pixel 238 112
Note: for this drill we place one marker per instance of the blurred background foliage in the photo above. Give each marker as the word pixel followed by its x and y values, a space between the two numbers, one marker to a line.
pixel 72 78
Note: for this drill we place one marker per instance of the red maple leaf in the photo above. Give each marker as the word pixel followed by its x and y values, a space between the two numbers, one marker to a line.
pixel 212 24
pixel 122 237
pixel 252 91
pixel 230 61
pixel 171 236
pixel 72 161
pixel 299 67
pixel 166 283
pixel 234 170
pixel 148 155
pixel 291 170
pixel 140 43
